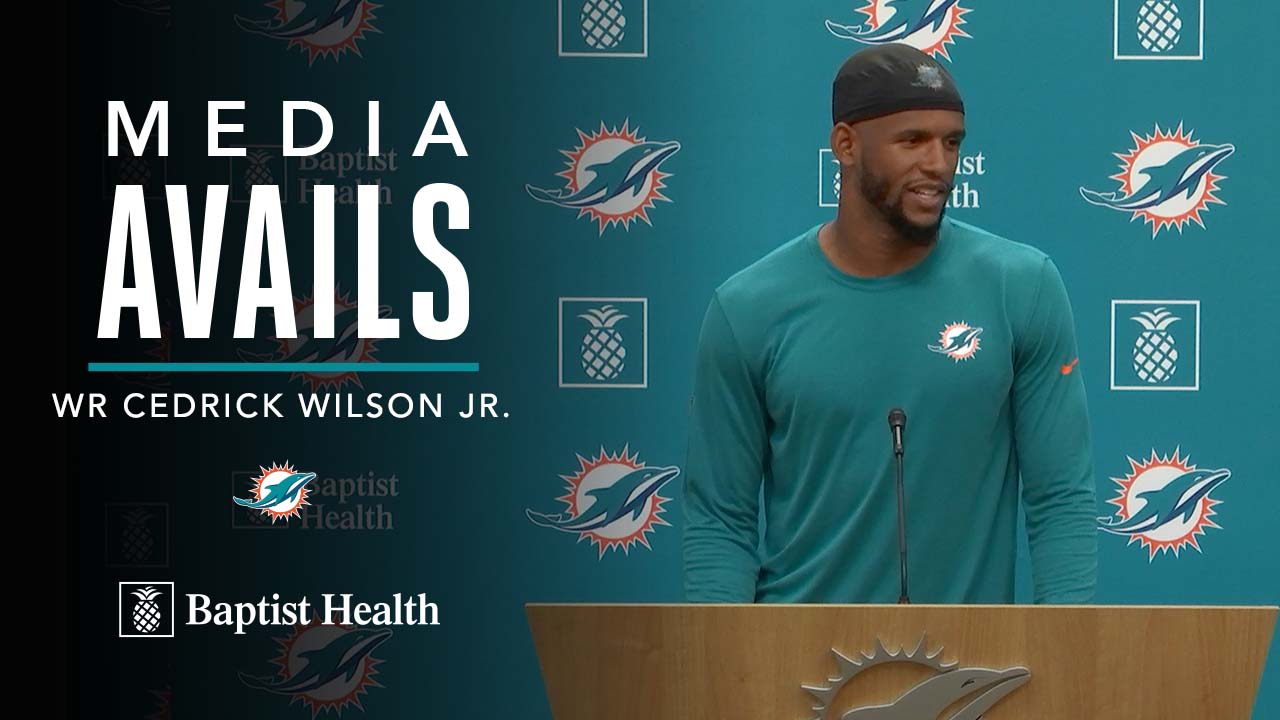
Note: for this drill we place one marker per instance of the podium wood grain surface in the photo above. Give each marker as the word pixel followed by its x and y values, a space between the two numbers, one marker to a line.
pixel 647 662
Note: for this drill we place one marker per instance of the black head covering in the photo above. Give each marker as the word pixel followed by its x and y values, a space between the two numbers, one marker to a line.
pixel 884 79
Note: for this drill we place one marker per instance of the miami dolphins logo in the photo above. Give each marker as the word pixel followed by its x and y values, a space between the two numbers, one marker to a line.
pixel 613 502
pixel 279 492
pixel 926 25
pixel 325 667
pixel 943 686
pixel 1164 503
pixel 162 704
pixel 612 177
pixel 1167 179
pixel 322 28
pixel 346 345
pixel 958 341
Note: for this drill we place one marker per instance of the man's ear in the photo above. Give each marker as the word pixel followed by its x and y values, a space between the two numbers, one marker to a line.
pixel 844 144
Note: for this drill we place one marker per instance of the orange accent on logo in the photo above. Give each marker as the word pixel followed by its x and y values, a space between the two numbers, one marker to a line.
pixel 1066 369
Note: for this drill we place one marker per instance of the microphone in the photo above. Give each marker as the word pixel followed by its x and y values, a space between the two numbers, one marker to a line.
pixel 897 424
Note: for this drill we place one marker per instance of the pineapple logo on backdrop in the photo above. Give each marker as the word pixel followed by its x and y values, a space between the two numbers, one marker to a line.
pixel 612 501
pixel 346 346
pixel 609 28
pixel 604 342
pixel 1155 345
pixel 137 534
pixel 1163 503
pixel 261 165
pixel 926 25
pixel 1166 178
pixel 146 609
pixel 612 177
pixel 1159 30
pixel 321 28
pixel 324 667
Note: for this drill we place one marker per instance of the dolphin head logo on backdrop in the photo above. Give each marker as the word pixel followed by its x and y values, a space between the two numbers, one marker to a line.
pixel 279 492
pixel 926 25
pixel 325 667
pixel 346 345
pixel 1164 503
pixel 1167 179
pixel 613 177
pixel 613 501
pixel 320 27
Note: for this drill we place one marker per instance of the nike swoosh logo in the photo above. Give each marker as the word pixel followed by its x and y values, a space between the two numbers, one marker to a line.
pixel 1066 369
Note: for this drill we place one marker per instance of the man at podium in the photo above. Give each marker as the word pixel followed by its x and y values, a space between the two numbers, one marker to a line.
pixel 791 477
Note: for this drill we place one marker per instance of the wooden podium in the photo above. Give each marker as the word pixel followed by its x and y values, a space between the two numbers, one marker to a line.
pixel 900 662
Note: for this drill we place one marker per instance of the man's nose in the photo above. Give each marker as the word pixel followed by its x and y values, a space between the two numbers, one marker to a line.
pixel 935 159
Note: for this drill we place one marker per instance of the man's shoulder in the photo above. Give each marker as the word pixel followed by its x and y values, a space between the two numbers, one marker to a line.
pixel 996 252
pixel 752 288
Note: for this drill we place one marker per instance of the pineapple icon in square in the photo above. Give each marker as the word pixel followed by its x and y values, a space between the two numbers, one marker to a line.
pixel 146 609
pixel 1155 352
pixel 604 342
pixel 603 353
pixel 828 179
pixel 1159 30
pixel 136 541
pixel 146 614
pixel 137 535
pixel 261 165
pixel 148 170
pixel 1155 345
pixel 617 28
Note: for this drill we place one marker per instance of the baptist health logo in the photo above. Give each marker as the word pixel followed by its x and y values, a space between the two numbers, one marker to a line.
pixel 927 25
pixel 346 171
pixel 1167 178
pixel 320 29
pixel 613 501
pixel 145 609
pixel 1155 345
pixel 1158 30
pixel 351 503
pixel 612 177
pixel 603 28
pixel 1163 503
pixel 604 342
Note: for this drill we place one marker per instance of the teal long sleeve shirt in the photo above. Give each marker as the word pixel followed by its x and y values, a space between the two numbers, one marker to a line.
pixel 798 364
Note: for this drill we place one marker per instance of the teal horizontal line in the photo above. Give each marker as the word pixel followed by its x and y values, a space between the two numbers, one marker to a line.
pixel 279 367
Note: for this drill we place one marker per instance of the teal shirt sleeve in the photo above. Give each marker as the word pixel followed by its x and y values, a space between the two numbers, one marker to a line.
pixel 1052 442
pixel 727 443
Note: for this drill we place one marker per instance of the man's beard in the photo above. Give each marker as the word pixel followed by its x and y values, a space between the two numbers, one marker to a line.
pixel 875 190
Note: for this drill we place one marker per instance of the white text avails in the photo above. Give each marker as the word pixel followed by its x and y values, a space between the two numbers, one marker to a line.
pixel 196 295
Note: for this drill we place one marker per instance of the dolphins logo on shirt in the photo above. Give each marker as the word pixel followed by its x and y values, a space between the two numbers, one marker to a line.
pixel 958 341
